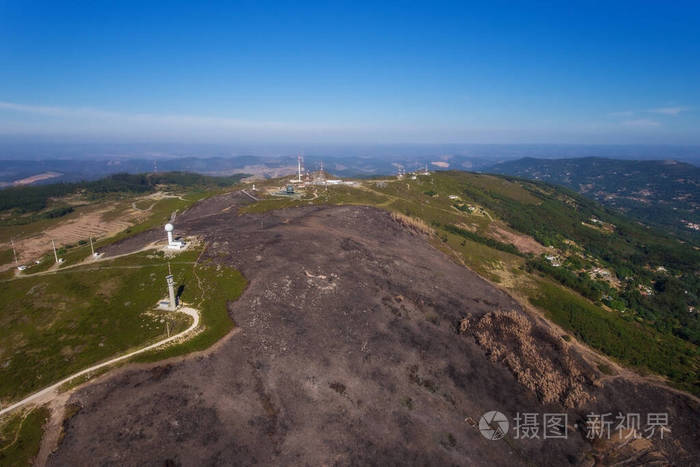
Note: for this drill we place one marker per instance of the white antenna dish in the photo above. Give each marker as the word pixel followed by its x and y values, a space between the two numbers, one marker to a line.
pixel 169 227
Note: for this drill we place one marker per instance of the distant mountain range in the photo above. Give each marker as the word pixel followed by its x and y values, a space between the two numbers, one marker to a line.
pixel 665 194
pixel 20 172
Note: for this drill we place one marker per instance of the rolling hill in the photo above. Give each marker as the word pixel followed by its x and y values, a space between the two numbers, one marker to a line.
pixel 358 303
pixel 665 194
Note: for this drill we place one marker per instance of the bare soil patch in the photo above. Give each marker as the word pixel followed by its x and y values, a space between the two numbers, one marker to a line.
pixel 524 243
pixel 71 231
pixel 37 178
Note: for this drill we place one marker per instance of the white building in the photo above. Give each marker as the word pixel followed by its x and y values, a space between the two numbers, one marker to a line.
pixel 173 244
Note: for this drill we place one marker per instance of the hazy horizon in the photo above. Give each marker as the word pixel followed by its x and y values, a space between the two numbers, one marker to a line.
pixel 48 150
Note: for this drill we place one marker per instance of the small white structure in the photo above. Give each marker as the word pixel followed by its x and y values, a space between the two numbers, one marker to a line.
pixel 173 244
pixel 21 267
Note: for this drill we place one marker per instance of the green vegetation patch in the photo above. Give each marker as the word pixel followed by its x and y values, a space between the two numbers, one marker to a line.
pixel 55 324
pixel 20 436
pixel 214 286
pixel 490 242
pixel 625 340
pixel 37 197
pixel 6 257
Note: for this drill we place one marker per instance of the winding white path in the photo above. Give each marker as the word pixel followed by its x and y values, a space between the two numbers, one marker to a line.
pixel 50 392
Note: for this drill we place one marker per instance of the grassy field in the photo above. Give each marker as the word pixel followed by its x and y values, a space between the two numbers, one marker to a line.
pixel 6 257
pixel 213 288
pixel 55 324
pixel 160 213
pixel 20 436
pixel 626 340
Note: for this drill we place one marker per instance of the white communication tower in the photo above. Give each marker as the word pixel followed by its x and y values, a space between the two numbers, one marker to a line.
pixel 171 291
pixel 299 160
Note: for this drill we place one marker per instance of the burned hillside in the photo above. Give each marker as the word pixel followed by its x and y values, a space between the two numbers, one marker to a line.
pixel 351 348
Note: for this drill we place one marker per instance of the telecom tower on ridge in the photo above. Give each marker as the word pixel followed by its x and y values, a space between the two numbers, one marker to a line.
pixel 300 163
pixel 171 303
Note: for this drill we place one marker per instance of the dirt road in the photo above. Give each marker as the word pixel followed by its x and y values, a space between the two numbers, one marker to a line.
pixel 49 393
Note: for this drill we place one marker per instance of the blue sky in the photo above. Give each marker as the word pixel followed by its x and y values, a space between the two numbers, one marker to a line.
pixel 401 72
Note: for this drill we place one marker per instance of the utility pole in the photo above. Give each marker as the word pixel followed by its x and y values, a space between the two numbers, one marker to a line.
pixel 14 251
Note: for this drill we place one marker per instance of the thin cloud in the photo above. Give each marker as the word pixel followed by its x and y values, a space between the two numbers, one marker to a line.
pixel 86 113
pixel 94 123
pixel 641 123
pixel 668 110
pixel 624 113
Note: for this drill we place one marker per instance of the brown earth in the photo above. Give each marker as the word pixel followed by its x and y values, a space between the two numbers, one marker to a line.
pixel 524 243
pixel 351 348
pixel 98 221
pixel 79 227
pixel 36 178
